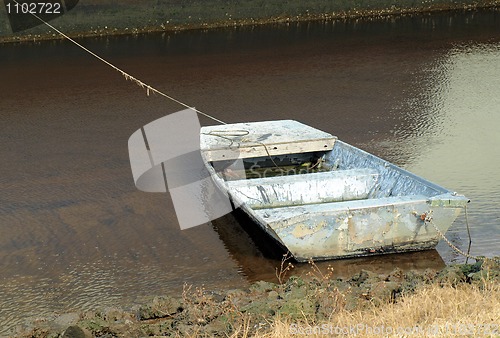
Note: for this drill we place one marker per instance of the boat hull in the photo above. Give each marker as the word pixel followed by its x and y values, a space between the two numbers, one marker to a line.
pixel 349 229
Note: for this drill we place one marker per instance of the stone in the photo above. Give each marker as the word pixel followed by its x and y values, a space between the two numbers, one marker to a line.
pixel 262 286
pixel 298 308
pixel 396 275
pixel 363 276
pixel 160 307
pixel 272 295
pixel 67 319
pixel 384 291
pixel 75 331
pixel 452 274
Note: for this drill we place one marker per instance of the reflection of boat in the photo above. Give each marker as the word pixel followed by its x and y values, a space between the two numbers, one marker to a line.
pixel 321 198
pixel 258 257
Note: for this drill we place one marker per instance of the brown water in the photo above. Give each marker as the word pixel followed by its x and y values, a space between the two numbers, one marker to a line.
pixel 422 92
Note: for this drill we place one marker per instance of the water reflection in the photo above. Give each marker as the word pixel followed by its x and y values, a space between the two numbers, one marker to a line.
pixel 454 139
pixel 259 258
pixel 75 233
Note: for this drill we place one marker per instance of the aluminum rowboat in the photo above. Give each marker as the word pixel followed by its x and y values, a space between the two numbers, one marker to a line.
pixel 321 198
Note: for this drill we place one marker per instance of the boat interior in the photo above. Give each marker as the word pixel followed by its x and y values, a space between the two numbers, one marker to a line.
pixel 342 174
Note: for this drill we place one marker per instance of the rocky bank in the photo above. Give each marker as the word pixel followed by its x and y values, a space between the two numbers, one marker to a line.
pixel 207 313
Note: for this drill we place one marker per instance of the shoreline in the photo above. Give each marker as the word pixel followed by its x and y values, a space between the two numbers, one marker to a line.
pixel 38 34
pixel 291 305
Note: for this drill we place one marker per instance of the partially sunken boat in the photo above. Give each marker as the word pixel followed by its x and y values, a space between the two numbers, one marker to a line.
pixel 321 198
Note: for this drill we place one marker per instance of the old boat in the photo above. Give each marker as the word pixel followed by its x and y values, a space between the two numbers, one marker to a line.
pixel 321 198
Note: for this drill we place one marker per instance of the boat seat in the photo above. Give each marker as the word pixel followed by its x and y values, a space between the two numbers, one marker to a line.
pixel 311 188
pixel 258 139
pixel 333 209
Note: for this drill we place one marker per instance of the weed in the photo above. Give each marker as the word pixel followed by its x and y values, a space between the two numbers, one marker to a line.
pixel 284 268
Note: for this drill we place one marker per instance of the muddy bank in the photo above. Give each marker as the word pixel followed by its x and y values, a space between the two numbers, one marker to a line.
pixel 101 18
pixel 316 296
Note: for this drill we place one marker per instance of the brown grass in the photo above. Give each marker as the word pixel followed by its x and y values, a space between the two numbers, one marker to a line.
pixel 465 310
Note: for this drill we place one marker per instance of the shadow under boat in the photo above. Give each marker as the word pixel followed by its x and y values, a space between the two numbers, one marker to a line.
pixel 258 255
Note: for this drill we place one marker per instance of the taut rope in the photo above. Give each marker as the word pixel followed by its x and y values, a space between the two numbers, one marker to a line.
pixel 127 76
pixel 428 220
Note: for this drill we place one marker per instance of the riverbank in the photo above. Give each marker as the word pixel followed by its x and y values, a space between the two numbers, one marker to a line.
pixel 100 18
pixel 460 299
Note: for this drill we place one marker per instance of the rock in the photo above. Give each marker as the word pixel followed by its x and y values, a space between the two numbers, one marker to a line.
pixel 185 330
pixel 298 308
pixel 272 295
pixel 160 307
pixel 363 276
pixel 237 297
pixel 413 279
pixel 94 325
pixel 220 326
pixel 222 314
pixel 67 319
pixel 262 286
pixel 296 292
pixel 396 275
pixel 296 280
pixel 489 270
pixel 262 307
pixel 384 292
pixel 152 330
pixel 352 301
pixel 216 297
pixel 330 303
pixel 452 275
pixel 75 331
pixel 114 314
pixel 236 293
pixel 471 268
pixel 429 275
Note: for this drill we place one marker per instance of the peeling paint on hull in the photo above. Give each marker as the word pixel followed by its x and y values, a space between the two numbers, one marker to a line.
pixel 351 232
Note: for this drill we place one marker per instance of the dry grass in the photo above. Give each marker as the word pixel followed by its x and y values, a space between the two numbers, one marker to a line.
pixel 466 310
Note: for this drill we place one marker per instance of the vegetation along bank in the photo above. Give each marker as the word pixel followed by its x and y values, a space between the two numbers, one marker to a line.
pixel 456 301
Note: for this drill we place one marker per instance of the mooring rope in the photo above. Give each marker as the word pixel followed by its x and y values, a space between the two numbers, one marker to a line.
pixel 428 220
pixel 127 76
pixel 468 233
pixel 150 88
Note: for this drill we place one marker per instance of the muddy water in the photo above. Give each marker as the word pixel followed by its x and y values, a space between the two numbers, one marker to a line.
pixel 75 233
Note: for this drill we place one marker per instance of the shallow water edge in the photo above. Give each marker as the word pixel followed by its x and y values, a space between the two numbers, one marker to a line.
pixel 313 297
